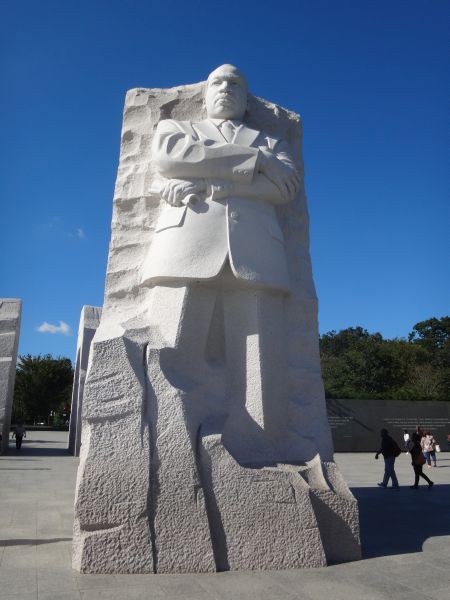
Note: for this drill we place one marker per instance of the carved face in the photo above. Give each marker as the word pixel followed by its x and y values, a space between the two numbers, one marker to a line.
pixel 226 93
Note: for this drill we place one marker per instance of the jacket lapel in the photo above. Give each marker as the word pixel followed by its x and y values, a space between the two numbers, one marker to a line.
pixel 208 130
pixel 245 136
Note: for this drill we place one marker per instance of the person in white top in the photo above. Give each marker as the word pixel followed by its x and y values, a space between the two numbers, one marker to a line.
pixel 428 444
pixel 407 439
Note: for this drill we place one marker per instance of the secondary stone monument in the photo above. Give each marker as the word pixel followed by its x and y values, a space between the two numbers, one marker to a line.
pixel 10 315
pixel 205 441
pixel 89 321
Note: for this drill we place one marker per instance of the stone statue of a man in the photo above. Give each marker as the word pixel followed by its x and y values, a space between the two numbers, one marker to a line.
pixel 218 259
pixel 240 174
pixel 206 445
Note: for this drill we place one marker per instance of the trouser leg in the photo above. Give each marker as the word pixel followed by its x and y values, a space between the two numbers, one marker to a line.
pixel 390 462
pixel 422 474
pixel 417 472
pixel 256 368
pixel 177 398
pixel 386 474
pixel 389 472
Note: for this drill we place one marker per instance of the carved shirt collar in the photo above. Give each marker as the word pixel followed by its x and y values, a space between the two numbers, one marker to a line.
pixel 218 122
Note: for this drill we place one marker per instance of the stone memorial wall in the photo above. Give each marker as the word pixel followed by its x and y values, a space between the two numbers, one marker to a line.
pixel 89 321
pixel 10 315
pixel 355 424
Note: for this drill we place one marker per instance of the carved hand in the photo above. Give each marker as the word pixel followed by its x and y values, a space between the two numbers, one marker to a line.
pixel 176 191
pixel 284 177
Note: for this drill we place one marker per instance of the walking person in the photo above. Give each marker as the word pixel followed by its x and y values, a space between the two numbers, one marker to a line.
pixel 417 462
pixel 19 433
pixel 428 445
pixel 390 450
pixel 406 438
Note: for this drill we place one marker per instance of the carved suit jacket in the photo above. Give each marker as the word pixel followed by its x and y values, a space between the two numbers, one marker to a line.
pixel 235 220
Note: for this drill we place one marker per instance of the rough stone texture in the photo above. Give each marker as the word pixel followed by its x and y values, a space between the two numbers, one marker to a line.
pixel 111 529
pixel 10 315
pixel 260 517
pixel 180 469
pixel 89 321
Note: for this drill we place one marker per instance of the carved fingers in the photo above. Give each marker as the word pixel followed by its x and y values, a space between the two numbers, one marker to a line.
pixel 177 191
pixel 284 176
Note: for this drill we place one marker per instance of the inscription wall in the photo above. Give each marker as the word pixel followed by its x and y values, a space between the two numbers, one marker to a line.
pixel 355 424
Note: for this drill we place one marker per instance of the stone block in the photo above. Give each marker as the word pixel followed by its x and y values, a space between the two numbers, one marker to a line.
pixel 10 315
pixel 205 441
pixel 89 321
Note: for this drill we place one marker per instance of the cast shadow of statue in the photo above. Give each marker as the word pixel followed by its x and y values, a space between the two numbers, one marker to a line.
pixel 400 522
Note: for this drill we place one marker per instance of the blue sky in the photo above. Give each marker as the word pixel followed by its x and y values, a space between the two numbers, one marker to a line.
pixel 370 79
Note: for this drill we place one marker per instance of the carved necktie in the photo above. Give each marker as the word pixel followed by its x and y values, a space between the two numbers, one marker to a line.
pixel 227 129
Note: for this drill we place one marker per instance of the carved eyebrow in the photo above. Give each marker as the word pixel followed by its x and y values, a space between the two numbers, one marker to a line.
pixel 219 78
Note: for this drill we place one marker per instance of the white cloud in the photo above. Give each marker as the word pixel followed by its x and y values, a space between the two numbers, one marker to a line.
pixel 54 224
pixel 57 227
pixel 49 328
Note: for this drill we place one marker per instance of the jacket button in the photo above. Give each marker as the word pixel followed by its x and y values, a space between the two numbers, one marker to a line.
pixel 234 214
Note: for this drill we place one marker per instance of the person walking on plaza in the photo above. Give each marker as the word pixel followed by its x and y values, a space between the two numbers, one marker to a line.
pixel 19 433
pixel 428 444
pixel 406 438
pixel 417 461
pixel 390 450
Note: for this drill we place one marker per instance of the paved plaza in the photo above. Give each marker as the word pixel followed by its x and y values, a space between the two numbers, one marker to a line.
pixel 405 537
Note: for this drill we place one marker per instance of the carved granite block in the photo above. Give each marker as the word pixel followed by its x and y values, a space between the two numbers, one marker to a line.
pixel 10 315
pixel 89 321
pixel 205 441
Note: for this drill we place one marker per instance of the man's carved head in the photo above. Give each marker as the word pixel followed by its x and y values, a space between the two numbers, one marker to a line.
pixel 226 93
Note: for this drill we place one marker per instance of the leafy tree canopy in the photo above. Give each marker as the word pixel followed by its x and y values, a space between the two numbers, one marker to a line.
pixel 358 364
pixel 433 333
pixel 43 384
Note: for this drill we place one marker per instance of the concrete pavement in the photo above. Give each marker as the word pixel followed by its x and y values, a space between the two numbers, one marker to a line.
pixel 405 537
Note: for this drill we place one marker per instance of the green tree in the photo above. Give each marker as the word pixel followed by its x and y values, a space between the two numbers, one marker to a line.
pixel 358 364
pixel 43 384
pixel 434 336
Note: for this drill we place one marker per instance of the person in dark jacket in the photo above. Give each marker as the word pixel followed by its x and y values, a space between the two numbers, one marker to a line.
pixel 417 461
pixel 19 433
pixel 388 449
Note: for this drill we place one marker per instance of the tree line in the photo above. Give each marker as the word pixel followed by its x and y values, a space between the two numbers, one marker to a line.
pixel 42 390
pixel 355 364
pixel 359 364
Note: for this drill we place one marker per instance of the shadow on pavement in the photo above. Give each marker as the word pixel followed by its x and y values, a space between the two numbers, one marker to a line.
pixel 399 521
pixel 32 442
pixel 25 469
pixel 33 542
pixel 37 448
pixel 16 458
